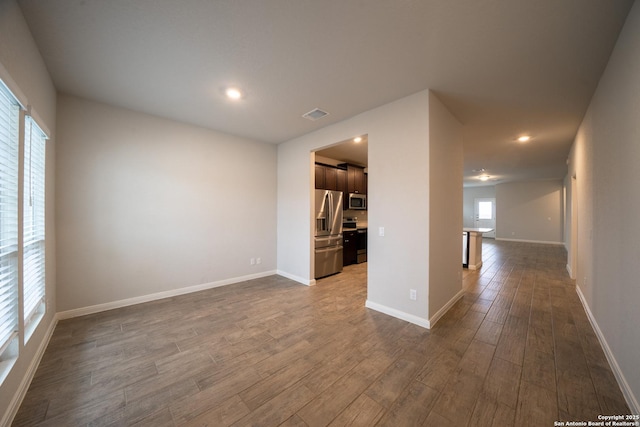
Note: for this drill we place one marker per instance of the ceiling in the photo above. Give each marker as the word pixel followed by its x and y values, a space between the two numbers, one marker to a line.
pixel 503 67
pixel 349 151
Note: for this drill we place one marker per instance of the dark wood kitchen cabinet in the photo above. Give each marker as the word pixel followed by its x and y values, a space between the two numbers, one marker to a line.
pixel 350 247
pixel 356 179
pixel 342 180
pixel 327 177
pixel 319 177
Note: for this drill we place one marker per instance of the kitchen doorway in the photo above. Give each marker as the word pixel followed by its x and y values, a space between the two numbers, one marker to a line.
pixel 341 169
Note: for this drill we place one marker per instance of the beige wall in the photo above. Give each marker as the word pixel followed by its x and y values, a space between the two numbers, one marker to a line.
pixel 398 171
pixel 21 63
pixel 530 211
pixel 148 205
pixel 445 206
pixel 605 159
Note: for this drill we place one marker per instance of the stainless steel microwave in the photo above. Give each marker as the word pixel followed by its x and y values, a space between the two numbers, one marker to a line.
pixel 357 201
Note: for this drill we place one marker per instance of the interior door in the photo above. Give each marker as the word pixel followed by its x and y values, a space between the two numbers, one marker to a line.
pixel 485 215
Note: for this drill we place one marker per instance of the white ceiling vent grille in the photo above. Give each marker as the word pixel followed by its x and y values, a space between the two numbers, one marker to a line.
pixel 315 114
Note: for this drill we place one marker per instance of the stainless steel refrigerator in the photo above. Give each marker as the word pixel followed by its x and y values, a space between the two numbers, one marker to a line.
pixel 328 239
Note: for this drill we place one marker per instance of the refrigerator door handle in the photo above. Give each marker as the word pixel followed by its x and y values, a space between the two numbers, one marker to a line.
pixel 329 200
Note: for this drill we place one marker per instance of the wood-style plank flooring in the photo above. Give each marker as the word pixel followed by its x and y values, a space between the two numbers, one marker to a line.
pixel 516 350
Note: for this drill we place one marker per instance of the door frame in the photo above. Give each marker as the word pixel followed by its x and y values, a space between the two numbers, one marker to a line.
pixel 476 201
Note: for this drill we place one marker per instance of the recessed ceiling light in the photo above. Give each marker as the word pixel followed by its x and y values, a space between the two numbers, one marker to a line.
pixel 233 93
pixel 524 138
pixel 484 177
pixel 357 139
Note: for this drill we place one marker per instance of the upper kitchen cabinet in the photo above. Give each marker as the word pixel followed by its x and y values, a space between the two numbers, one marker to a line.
pixel 342 180
pixel 320 181
pixel 356 179
pixel 330 178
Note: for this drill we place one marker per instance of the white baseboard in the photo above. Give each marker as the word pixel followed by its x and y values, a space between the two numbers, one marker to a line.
pixel 542 242
pixel 159 295
pixel 632 402
pixel 398 314
pixel 18 397
pixel 446 307
pixel 307 282
pixel 569 271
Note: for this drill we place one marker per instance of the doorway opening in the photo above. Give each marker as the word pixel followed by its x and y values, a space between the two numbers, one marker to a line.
pixel 485 215
pixel 573 249
pixel 339 207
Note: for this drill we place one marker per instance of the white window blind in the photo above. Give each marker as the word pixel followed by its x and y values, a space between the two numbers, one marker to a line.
pixel 9 131
pixel 34 219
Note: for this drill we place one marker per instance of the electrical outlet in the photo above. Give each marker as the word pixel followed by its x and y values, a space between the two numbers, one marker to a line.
pixel 253 261
pixel 258 260
pixel 381 231
pixel 413 294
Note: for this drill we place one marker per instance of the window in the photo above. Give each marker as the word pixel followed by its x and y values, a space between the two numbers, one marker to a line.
pixel 9 131
pixel 485 210
pixel 33 220
pixel 22 226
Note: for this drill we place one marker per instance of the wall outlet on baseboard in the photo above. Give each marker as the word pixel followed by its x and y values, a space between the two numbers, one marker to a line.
pixel 413 294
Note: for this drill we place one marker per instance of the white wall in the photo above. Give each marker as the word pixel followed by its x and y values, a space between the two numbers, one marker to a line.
pixel 606 161
pixel 469 196
pixel 530 211
pixel 21 62
pixel 445 211
pixel 148 205
pixel 398 171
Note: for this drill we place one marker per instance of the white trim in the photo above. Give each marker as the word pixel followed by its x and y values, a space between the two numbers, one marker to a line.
pixel 13 87
pixel 544 242
pixel 569 271
pixel 398 314
pixel 307 282
pixel 18 397
pixel 632 402
pixel 446 307
pixel 159 295
pixel 474 266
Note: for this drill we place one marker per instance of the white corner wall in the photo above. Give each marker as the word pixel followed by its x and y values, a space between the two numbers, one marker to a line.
pixel 445 208
pixel 149 206
pixel 398 136
pixel 605 159
pixel 530 211
pixel 20 62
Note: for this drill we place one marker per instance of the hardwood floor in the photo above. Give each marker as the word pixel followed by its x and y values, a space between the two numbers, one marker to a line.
pixel 517 349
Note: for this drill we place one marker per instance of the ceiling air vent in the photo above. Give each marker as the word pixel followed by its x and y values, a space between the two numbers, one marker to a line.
pixel 315 114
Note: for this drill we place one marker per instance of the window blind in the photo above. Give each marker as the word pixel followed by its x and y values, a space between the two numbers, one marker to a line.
pixel 34 218
pixel 9 131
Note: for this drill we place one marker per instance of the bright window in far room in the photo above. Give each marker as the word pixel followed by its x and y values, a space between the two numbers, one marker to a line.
pixel 485 210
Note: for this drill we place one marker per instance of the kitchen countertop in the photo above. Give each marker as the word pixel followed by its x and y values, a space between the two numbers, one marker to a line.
pixel 477 230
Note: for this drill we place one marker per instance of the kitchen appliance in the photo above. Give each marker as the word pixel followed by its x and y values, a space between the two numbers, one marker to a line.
pixel 357 201
pixel 362 245
pixel 328 238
